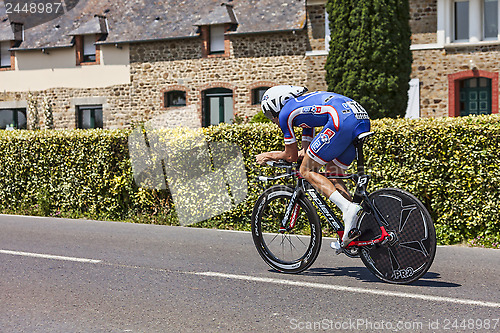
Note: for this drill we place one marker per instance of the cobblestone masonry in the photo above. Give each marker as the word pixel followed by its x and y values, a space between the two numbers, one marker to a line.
pixel 423 21
pixel 316 27
pixel 423 16
pixel 268 58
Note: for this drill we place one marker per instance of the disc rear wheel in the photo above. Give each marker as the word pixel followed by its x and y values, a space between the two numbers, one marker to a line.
pixel 411 250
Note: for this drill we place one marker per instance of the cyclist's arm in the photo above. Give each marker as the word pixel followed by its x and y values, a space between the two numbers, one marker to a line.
pixel 290 154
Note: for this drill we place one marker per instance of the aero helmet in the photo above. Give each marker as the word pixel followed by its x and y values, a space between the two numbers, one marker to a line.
pixel 275 98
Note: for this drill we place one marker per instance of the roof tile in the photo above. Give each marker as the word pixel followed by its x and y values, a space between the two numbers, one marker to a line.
pixel 146 20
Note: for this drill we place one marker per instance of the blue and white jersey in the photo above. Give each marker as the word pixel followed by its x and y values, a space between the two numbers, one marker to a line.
pixel 341 117
pixel 314 110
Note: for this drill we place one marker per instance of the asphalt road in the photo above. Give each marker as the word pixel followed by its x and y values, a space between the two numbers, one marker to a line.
pixel 60 275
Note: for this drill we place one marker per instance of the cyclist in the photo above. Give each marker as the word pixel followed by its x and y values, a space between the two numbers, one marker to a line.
pixel 342 119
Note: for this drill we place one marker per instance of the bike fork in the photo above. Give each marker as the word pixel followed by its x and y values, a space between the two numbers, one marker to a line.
pixel 292 211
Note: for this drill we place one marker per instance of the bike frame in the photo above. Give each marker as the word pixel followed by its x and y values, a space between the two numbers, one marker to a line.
pixel 360 195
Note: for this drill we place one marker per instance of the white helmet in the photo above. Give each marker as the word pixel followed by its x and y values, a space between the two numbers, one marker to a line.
pixel 275 98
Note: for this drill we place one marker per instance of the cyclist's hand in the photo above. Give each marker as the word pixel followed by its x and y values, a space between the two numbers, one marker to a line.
pixel 263 158
pixel 301 154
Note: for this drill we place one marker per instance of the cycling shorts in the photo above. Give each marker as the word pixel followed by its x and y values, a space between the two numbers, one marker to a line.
pixel 336 145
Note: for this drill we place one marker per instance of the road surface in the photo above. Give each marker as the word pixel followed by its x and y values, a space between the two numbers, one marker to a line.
pixel 60 275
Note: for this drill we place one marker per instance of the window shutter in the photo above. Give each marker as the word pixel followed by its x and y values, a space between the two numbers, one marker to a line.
pixel 217 38
pixel 4 54
pixel 88 45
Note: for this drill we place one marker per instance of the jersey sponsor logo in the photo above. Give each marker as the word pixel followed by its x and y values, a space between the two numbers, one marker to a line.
pixel 359 112
pixel 311 109
pixel 324 138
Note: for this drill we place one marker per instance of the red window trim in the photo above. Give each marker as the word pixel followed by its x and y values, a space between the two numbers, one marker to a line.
pixel 163 92
pixel 454 89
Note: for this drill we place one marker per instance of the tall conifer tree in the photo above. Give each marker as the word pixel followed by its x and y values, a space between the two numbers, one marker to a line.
pixel 369 58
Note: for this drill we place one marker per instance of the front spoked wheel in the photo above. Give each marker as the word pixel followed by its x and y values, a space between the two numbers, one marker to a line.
pixel 294 248
pixel 412 247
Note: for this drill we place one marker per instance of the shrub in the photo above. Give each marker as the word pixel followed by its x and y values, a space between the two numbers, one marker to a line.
pixel 451 164
pixel 259 118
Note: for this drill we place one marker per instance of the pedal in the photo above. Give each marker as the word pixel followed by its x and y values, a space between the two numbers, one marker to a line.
pixel 353 234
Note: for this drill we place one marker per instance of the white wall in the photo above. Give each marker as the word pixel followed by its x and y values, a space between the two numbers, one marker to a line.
pixel 57 69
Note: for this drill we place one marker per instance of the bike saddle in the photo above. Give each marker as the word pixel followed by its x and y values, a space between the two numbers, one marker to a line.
pixel 360 139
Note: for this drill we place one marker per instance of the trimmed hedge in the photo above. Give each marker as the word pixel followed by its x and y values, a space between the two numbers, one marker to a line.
pixel 451 164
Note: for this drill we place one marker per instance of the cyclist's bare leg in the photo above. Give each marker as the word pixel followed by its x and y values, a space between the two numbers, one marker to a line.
pixel 309 170
pixel 338 183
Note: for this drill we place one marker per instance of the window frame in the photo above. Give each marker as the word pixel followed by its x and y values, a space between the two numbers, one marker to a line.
pixel 206 43
pixel 255 94
pixel 15 120
pixel 455 26
pixel 167 98
pixel 11 56
pixel 219 93
pixel 476 17
pixel 221 40
pixel 80 50
pixel 87 56
pixel 92 108
pixel 454 89
pixel 483 22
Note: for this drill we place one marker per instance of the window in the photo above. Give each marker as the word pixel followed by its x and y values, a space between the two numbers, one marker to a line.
pixel 257 94
pixel 472 21
pixel 461 20
pixel 218 106
pixel 217 44
pixel 490 14
pixel 13 118
pixel 5 61
pixel 87 52
pixel 175 98
pixel 475 96
pixel 89 116
pixel 89 49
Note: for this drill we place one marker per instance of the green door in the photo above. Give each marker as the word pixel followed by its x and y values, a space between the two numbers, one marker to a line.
pixel 475 96
pixel 218 106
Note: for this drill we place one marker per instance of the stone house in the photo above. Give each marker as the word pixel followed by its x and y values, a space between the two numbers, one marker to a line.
pixel 111 64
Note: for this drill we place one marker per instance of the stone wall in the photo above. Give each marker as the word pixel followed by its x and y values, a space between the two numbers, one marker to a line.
pixel 316 27
pixel 316 73
pixel 423 16
pixel 253 61
pixel 423 21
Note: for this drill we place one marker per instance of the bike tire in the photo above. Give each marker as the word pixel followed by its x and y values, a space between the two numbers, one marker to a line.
pixel 408 256
pixel 292 251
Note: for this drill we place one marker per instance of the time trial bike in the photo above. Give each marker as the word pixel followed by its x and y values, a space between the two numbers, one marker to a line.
pixel 397 241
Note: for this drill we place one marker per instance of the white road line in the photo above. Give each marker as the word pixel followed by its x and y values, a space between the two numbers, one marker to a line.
pixel 352 289
pixel 49 256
